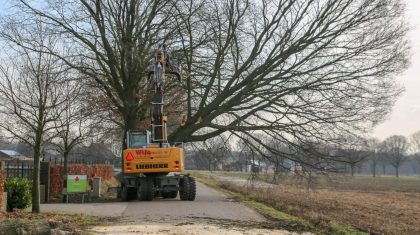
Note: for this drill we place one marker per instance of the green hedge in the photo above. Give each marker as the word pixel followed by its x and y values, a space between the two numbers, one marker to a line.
pixel 19 193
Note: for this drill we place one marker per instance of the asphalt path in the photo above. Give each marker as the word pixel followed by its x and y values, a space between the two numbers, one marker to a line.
pixel 209 204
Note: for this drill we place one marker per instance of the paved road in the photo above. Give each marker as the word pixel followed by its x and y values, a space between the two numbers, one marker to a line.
pixel 209 203
pixel 212 213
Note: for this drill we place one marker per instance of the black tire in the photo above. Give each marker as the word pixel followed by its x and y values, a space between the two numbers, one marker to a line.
pixel 193 189
pixel 127 194
pixel 123 193
pixel 118 193
pixel 145 189
pixel 187 189
pixel 172 194
pixel 184 188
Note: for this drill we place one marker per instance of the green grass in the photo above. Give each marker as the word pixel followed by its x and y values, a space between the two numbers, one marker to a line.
pixel 387 177
pixel 342 229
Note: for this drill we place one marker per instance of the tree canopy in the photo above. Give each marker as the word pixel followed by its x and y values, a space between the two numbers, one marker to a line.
pixel 291 70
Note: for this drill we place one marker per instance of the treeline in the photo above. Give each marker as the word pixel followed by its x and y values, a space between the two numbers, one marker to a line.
pixel 348 154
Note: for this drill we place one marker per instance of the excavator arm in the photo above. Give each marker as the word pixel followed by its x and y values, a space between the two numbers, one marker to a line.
pixel 149 158
pixel 158 67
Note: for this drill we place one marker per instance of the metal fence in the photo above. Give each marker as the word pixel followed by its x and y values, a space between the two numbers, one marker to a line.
pixel 25 169
pixel 19 169
pixel 60 161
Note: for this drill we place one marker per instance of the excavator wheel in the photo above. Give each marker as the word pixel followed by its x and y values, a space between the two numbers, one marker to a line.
pixel 127 193
pixel 145 189
pixel 193 189
pixel 187 189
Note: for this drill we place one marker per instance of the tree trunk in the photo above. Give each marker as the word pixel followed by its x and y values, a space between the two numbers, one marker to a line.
pixel 418 164
pixel 396 171
pixel 130 124
pixel 130 121
pixel 65 170
pixel 384 169
pixel 352 170
pixel 374 170
pixel 66 161
pixel 209 164
pixel 35 177
pixel 359 170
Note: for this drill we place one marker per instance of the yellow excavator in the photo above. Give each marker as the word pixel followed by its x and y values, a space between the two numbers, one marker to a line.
pixel 149 158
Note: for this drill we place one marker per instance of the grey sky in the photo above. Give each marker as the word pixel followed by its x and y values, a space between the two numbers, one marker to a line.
pixel 405 116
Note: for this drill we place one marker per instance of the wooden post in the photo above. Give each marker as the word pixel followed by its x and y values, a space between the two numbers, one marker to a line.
pixel 96 191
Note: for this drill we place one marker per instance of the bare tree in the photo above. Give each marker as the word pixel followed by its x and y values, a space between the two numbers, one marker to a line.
pixel 277 160
pixel 215 152
pixel 353 151
pixel 75 122
pixel 111 43
pixel 415 146
pixel 297 71
pixel 415 142
pixel 4 143
pixel 395 148
pixel 268 73
pixel 200 158
pixel 30 90
pixel 384 160
pixel 374 154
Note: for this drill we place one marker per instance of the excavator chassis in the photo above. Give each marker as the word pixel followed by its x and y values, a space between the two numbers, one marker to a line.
pixel 150 186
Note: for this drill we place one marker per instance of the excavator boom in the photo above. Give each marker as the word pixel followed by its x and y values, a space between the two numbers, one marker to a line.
pixel 149 157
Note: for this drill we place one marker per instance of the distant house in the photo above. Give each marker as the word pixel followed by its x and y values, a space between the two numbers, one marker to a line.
pixel 11 155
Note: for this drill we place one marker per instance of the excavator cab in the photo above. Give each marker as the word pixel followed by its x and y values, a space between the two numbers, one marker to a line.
pixel 138 139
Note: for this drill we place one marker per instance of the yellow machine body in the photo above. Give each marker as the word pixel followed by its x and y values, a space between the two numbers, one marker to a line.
pixel 153 160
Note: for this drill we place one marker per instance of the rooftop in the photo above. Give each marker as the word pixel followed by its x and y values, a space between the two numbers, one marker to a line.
pixel 10 153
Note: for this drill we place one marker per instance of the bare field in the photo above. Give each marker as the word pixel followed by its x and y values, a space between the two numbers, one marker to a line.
pixel 336 182
pixel 381 205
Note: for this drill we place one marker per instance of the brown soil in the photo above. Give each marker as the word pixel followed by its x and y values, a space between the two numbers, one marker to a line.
pixel 370 211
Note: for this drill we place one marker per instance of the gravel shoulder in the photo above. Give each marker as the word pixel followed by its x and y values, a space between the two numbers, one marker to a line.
pixel 192 227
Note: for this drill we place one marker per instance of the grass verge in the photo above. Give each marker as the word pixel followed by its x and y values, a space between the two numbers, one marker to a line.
pixel 286 220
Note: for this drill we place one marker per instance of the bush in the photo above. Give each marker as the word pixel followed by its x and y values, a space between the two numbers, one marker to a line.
pixel 19 194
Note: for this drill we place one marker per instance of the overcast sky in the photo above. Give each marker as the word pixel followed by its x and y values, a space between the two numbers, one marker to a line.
pixel 405 116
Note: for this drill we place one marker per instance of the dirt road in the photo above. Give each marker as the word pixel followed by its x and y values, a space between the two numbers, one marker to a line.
pixel 211 213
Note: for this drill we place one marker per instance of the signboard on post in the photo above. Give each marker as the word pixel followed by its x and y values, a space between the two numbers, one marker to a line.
pixel 77 184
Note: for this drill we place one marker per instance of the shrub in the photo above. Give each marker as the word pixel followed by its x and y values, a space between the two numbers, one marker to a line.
pixel 19 194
